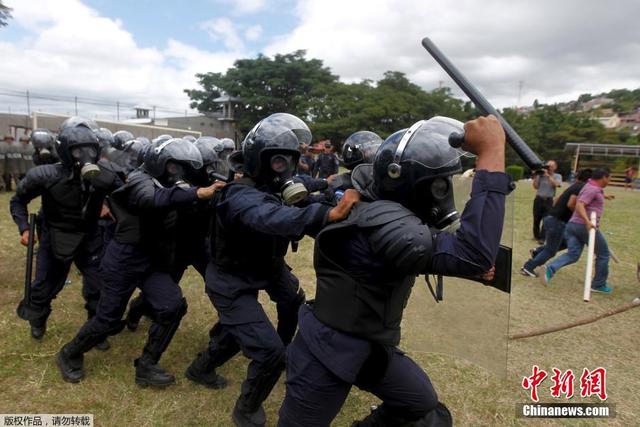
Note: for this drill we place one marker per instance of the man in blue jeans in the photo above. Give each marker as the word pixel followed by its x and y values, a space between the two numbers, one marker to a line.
pixel 590 199
pixel 554 224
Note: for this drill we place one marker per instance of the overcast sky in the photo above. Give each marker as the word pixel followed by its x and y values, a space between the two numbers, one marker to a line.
pixel 147 51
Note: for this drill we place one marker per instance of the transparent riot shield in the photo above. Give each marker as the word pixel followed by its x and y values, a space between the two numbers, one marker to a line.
pixel 472 319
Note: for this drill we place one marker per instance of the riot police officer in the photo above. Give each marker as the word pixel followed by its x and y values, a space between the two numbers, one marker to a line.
pixel 13 161
pixel 360 147
pixel 133 154
pixel 192 225
pixel 367 265
pixel 4 149
pixel 227 146
pixel 44 147
pixel 27 156
pixel 141 254
pixel 73 193
pixel 249 239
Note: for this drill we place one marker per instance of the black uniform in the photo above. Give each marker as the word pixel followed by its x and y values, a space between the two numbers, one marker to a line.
pixel 141 255
pixel 70 210
pixel 366 267
pixel 250 238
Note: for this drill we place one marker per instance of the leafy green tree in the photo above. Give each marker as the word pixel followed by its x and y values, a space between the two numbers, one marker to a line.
pixel 284 83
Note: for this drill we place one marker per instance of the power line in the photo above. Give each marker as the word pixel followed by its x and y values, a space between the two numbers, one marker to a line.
pixel 84 100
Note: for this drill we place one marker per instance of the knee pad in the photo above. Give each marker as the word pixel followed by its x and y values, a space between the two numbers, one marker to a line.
pixel 173 315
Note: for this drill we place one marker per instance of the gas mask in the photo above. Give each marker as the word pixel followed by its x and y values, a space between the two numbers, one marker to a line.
pixel 44 156
pixel 175 174
pixel 279 177
pixel 85 158
pixel 435 202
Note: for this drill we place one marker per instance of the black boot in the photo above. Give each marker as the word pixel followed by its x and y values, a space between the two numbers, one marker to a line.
pixel 37 317
pixel 383 416
pixel 38 328
pixel 104 345
pixel 203 371
pixel 148 373
pixel 246 416
pixel 160 334
pixel 248 411
pixel 71 356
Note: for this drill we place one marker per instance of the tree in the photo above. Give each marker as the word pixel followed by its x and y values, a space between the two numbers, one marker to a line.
pixel 5 14
pixel 285 83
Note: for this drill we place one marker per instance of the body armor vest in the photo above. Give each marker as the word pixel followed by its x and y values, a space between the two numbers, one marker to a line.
pixel 72 205
pixel 369 311
pixel 238 248
pixel 154 230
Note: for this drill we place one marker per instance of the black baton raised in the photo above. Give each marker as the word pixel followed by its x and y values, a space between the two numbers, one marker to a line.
pixel 29 268
pixel 515 141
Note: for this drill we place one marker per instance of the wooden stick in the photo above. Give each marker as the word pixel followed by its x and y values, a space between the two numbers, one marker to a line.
pixel 586 295
pixel 611 312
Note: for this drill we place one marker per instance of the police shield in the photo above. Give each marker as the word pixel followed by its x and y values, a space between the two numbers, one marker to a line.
pixel 466 318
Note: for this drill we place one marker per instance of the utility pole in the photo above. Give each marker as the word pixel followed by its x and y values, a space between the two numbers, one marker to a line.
pixel 75 100
pixel 118 111
pixel 520 85
pixel 28 105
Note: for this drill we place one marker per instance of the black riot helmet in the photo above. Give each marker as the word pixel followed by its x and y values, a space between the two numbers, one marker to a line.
pixel 42 139
pixel 133 154
pixel 78 147
pixel 43 142
pixel 360 147
pixel 211 164
pixel 120 138
pixel 160 138
pixel 270 154
pixel 171 161
pixel 105 139
pixel 414 167
pixel 189 138
pixel 74 121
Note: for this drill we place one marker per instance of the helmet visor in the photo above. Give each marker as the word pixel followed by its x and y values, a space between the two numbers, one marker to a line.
pixel 427 143
pixel 180 150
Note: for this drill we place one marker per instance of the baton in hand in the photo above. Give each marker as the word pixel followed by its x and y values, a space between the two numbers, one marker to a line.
pixel 29 266
pixel 456 140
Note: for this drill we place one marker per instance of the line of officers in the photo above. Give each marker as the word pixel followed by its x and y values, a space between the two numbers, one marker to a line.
pixel 131 213
pixel 16 159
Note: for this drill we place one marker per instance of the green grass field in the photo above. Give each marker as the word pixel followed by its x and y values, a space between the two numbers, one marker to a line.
pixel 30 381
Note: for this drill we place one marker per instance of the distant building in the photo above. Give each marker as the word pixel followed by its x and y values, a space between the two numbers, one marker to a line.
pixel 596 103
pixel 20 125
pixel 631 122
pixel 610 122
pixel 219 124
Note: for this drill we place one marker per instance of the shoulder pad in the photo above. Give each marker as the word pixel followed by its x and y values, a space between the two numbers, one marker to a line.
pixel 109 166
pixel 381 212
pixel 46 173
pixel 405 242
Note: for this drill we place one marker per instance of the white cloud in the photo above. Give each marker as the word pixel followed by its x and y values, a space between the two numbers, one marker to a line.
pixel 245 6
pixel 225 30
pixel 558 49
pixel 253 33
pixel 72 50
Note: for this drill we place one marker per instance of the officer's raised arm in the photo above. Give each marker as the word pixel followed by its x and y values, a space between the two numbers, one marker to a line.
pixel 472 250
